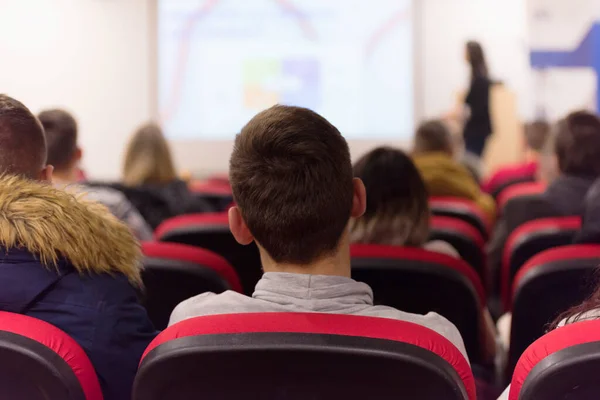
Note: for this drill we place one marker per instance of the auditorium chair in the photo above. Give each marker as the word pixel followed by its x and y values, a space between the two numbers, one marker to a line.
pixel 211 232
pixel 464 238
pixel 520 191
pixel 562 364
pixel 41 362
pixel 548 284
pixel 214 191
pixel 465 210
pixel 509 183
pixel 532 238
pixel 301 356
pixel 175 272
pixel 419 281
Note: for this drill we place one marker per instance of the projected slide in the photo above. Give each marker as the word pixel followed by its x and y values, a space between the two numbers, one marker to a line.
pixel 222 61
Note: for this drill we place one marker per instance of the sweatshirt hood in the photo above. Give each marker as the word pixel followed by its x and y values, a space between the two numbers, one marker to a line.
pixel 54 225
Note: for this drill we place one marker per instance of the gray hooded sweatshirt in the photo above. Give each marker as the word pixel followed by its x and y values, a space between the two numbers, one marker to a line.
pixel 284 292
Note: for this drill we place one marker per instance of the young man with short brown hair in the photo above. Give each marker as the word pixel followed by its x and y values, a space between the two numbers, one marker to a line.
pixel 292 180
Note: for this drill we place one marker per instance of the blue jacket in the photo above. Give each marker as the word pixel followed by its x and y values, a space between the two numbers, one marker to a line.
pixel 75 267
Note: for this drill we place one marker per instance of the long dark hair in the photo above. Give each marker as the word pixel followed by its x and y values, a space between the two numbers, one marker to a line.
pixel 578 312
pixel 476 57
pixel 397 200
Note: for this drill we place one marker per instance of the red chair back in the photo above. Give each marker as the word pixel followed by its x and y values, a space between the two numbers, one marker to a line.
pixel 304 355
pixel 419 281
pixel 39 362
pixel 211 232
pixel 532 238
pixel 547 285
pixel 525 189
pixel 562 364
pixel 465 210
pixel 465 238
pixel 175 272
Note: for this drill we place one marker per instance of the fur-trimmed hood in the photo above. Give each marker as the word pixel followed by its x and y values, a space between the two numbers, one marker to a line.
pixel 53 224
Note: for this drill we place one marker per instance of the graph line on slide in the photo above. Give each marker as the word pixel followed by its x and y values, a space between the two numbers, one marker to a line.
pixel 183 52
pixel 395 20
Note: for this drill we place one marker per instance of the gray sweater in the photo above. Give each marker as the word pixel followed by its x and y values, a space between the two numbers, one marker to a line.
pixel 283 292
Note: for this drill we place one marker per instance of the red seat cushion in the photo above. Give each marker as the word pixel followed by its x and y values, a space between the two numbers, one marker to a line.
pixel 175 251
pixel 558 339
pixel 59 342
pixel 327 324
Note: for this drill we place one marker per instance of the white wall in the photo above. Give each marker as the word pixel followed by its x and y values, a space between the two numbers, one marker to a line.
pixel 89 56
pixel 94 58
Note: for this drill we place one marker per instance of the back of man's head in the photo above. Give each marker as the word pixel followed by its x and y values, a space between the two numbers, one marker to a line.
pixel 61 137
pixel 22 142
pixel 537 134
pixel 292 179
pixel 577 145
pixel 433 136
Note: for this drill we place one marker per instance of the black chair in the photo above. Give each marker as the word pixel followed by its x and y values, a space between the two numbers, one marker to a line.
pixel 301 356
pixel 419 281
pixel 549 284
pixel 41 362
pixel 462 209
pixel 497 191
pixel 562 364
pixel 211 232
pixel 175 272
pixel 530 239
pixel 464 238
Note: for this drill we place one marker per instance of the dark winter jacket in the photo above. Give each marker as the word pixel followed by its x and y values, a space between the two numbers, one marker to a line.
pixel 74 265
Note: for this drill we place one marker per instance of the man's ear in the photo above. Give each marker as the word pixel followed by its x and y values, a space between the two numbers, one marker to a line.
pixel 359 199
pixel 238 227
pixel 46 174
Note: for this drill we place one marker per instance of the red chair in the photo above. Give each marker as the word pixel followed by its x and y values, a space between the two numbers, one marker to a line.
pixel 215 191
pixel 465 238
pixel 40 362
pixel 547 285
pixel 526 189
pixel 419 281
pixel 175 272
pixel 465 210
pixel 211 232
pixel 532 238
pixel 562 364
pixel 301 356
pixel 509 183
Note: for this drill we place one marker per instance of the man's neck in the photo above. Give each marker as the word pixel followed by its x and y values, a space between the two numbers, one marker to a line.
pixel 337 264
pixel 64 177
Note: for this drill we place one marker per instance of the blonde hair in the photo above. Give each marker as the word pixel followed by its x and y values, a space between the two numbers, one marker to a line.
pixel 148 158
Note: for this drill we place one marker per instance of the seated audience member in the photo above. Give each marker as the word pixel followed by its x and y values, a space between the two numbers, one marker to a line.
pixel 397 212
pixel 586 311
pixel 67 261
pixel 443 175
pixel 292 180
pixel 151 182
pixel 535 138
pixel 576 148
pixel 64 155
pixel 590 221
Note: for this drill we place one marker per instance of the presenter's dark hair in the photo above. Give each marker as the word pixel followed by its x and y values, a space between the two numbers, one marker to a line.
pixel 476 57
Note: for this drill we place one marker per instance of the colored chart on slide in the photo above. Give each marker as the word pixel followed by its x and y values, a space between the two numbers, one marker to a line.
pixel 222 61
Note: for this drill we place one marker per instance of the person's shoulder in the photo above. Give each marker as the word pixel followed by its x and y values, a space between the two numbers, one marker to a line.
pixel 431 320
pixel 228 302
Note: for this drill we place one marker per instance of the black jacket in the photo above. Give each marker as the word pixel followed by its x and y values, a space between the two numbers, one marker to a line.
pixel 479 123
